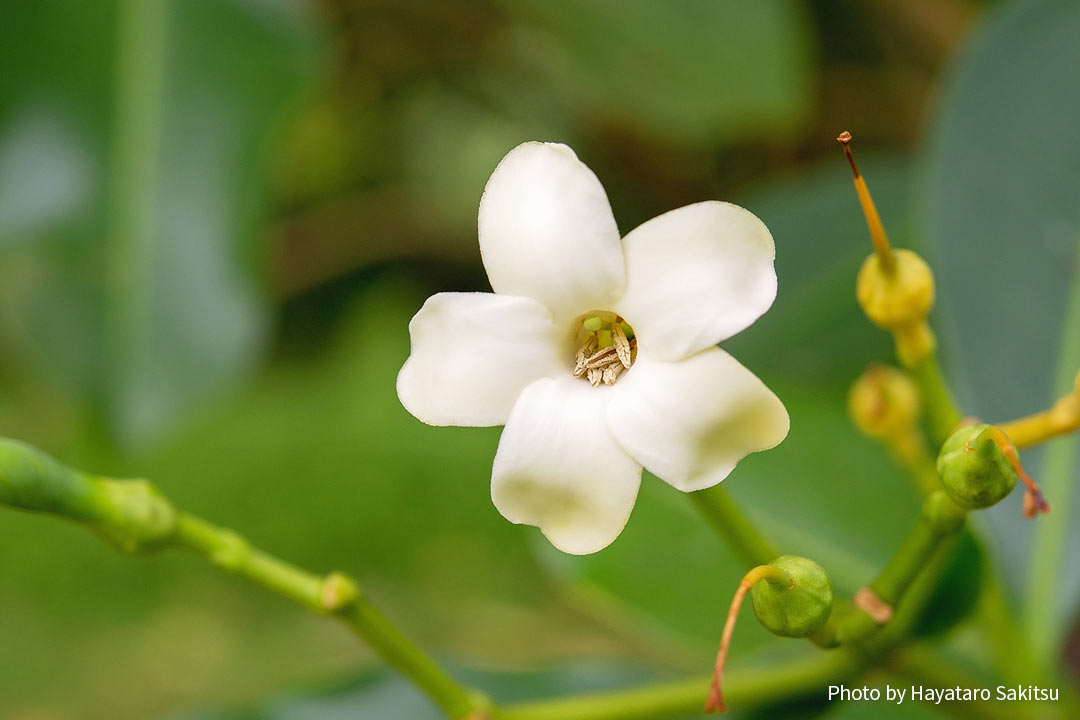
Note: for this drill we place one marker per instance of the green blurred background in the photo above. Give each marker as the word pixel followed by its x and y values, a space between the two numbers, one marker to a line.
pixel 217 216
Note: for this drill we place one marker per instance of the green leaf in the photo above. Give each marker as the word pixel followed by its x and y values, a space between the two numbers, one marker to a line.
pixel 200 88
pixel 149 126
pixel 1002 218
pixel 689 72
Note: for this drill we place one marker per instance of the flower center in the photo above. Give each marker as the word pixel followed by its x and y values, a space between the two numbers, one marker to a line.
pixel 606 347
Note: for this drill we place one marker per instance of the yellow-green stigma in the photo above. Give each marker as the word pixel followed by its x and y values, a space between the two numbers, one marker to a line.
pixel 606 347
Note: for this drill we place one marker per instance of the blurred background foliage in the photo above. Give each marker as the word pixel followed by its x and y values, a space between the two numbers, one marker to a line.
pixel 217 216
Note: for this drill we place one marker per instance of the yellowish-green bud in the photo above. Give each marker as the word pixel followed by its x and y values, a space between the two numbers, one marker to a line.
pixel 896 298
pixel 801 608
pixel 974 470
pixel 884 402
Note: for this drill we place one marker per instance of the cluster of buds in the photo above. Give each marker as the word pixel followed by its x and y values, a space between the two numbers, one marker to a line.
pixel 977 467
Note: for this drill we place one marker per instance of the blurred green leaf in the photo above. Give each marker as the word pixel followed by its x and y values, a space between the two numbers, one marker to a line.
pixel 45 175
pixel 1002 218
pixel 690 72
pixel 153 298
pixel 385 695
pixel 201 88
pixel 958 593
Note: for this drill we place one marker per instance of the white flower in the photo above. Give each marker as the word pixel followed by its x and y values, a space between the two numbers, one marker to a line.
pixel 568 290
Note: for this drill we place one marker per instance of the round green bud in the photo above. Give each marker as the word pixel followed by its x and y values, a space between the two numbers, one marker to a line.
pixel 973 469
pixel 800 608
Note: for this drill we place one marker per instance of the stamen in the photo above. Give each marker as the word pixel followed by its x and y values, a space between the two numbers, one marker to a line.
pixel 582 358
pixel 607 348
pixel 622 345
pixel 601 358
pixel 873 220
pixel 611 373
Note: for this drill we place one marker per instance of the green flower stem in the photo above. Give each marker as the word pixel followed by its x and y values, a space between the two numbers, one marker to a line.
pixel 939 522
pixel 940 519
pixel 135 517
pixel 941 409
pixel 916 459
pixel 730 522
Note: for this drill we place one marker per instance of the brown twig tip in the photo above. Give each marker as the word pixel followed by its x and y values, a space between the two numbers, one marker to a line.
pixel 844 138
pixel 1035 503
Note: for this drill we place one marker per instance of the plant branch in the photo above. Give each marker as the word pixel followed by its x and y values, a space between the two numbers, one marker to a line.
pixel 941 412
pixel 747 688
pixel 135 517
pixel 877 605
pixel 1061 419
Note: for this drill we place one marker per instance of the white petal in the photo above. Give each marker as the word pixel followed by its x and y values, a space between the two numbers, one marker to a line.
pixel 696 276
pixel 547 232
pixel 473 354
pixel 689 422
pixel 558 467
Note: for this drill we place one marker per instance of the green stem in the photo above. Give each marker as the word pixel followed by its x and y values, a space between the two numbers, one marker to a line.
pixel 939 521
pixel 941 411
pixel 730 522
pixel 134 516
pixel 745 689
pixel 1042 613
pixel 917 549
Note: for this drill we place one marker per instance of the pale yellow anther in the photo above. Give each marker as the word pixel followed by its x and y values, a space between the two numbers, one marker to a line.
pixel 606 348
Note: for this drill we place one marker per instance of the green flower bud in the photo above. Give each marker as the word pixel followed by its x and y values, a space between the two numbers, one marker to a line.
pixel 898 298
pixel 974 470
pixel 884 402
pixel 799 609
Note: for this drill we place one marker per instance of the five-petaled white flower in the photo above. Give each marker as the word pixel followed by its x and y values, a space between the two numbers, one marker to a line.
pixel 597 353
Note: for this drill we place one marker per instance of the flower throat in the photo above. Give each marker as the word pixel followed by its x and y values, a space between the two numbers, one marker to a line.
pixel 606 348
